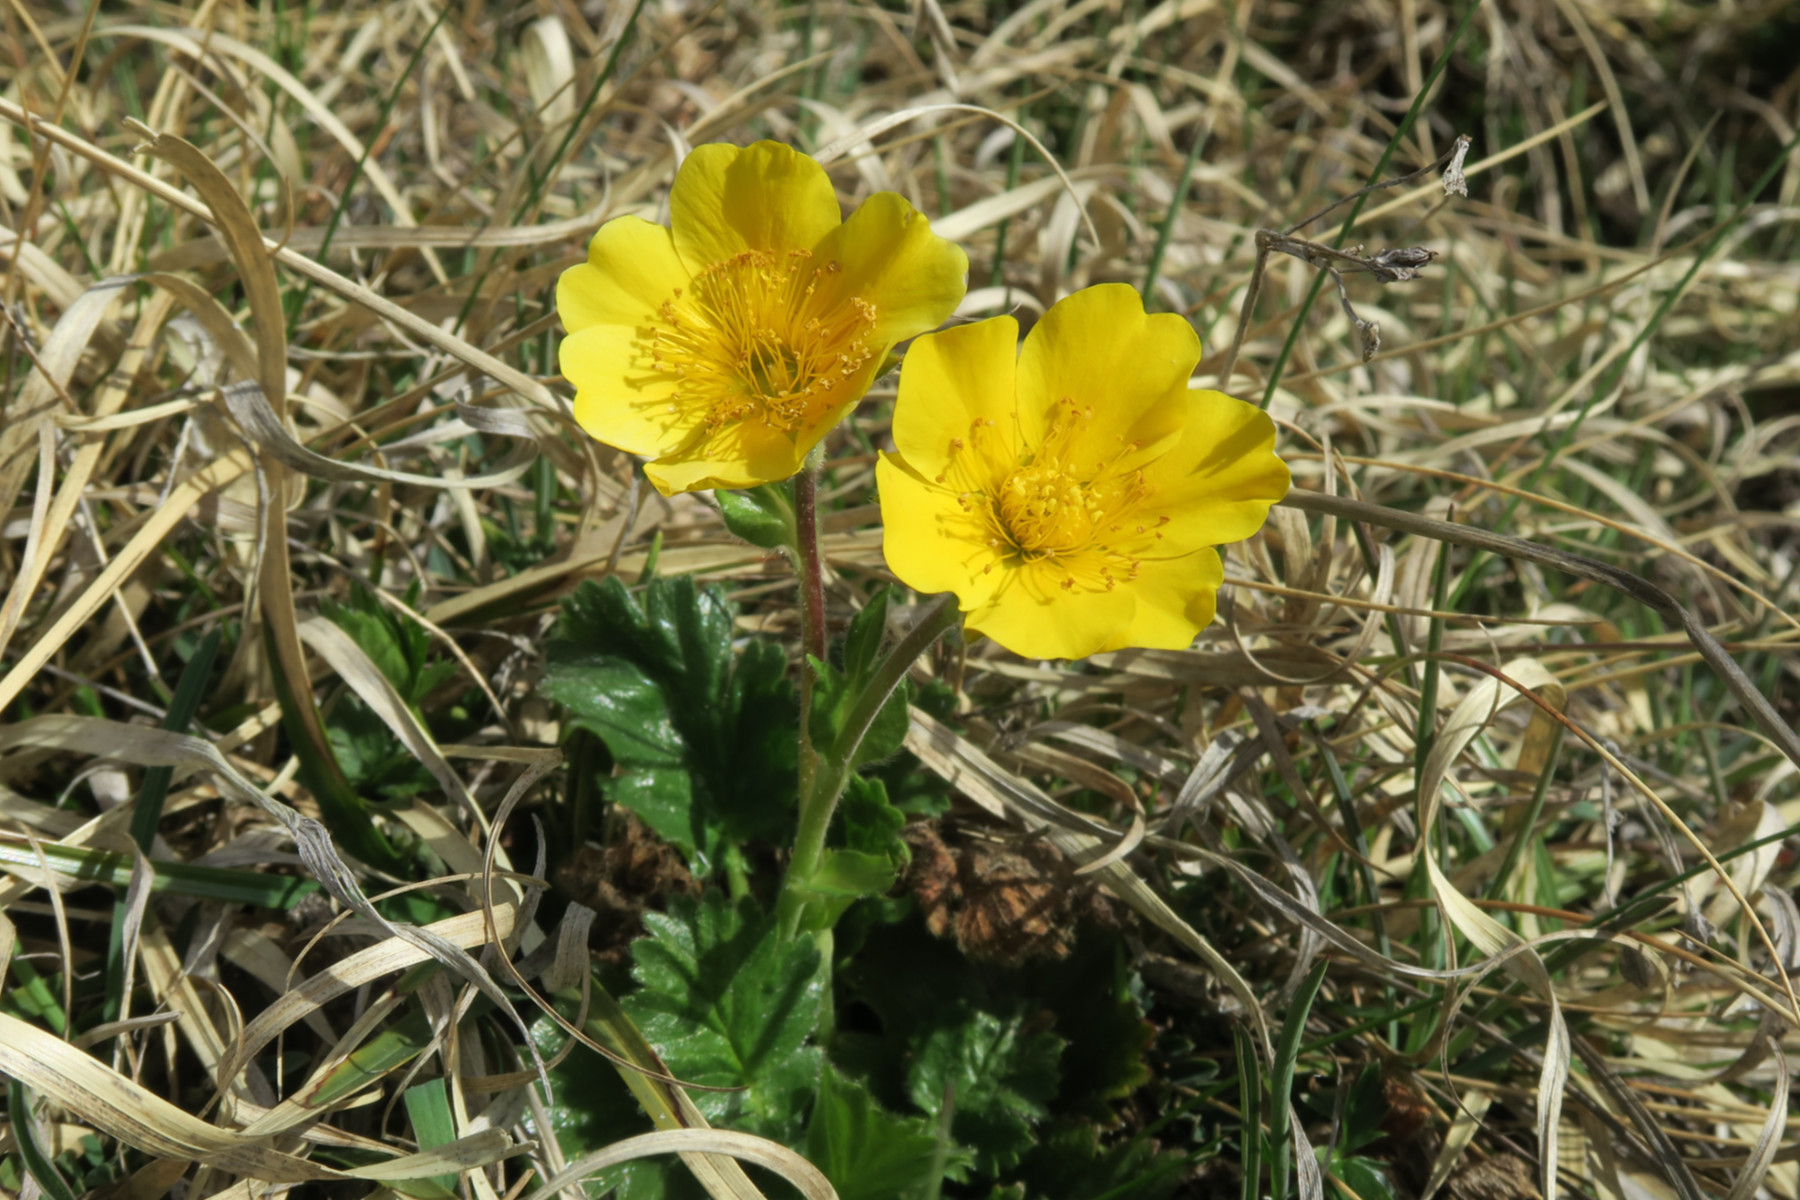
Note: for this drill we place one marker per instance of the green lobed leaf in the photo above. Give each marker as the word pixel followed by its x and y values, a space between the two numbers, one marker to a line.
pixel 1093 994
pixel 1000 1075
pixel 1071 1160
pixel 871 858
pixel 836 691
pixel 394 642
pixel 372 758
pixel 702 739
pixel 727 1002
pixel 867 1152
pixel 852 873
pixel 868 823
pixel 1364 1176
pixel 1067 1036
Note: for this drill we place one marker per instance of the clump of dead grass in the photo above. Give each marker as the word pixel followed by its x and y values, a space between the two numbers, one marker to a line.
pixel 1379 719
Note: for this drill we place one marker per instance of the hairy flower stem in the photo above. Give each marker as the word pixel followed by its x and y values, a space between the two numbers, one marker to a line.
pixel 809 570
pixel 811 566
pixel 823 785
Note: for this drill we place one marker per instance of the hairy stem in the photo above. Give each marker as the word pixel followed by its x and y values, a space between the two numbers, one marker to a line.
pixel 821 788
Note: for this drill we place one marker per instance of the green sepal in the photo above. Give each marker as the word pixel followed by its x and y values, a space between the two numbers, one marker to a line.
pixel 762 516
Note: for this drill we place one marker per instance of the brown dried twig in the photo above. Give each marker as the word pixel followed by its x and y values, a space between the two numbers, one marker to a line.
pixel 1398 265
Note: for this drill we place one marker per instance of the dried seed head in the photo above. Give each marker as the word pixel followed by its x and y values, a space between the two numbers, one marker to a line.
pixel 1370 332
pixel 1400 264
pixel 1455 183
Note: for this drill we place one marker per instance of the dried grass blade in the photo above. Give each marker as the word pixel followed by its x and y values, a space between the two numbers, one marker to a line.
pixel 366 965
pixel 33 411
pixel 1480 706
pixel 664 1099
pixel 344 656
pixel 1768 1139
pixel 773 1156
pixel 426 331
pixel 830 152
pixel 275 584
pixel 1471 1107
pixel 133 1114
pixel 1635 586
pixel 26 1141
pixel 251 409
pixel 185 755
pixel 100 588
pixel 212 40
pixel 58 520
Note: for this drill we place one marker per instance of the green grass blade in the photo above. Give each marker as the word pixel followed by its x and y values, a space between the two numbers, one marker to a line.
pixel 24 1131
pixel 1281 1084
pixel 181 879
pixel 183 708
pixel 428 1106
pixel 1250 1104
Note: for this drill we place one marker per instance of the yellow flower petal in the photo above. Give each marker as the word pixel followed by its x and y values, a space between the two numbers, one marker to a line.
pixel 631 270
pixel 767 197
pixel 728 346
pixel 620 397
pixel 1175 601
pixel 886 255
pixel 1072 504
pixel 949 381
pixel 920 537
pixel 1216 485
pixel 1100 349
pixel 1032 615
pixel 738 455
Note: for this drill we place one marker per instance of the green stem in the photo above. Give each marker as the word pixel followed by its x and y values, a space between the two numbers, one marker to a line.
pixel 821 787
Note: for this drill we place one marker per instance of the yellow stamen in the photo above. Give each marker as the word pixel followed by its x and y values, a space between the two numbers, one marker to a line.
pixel 752 339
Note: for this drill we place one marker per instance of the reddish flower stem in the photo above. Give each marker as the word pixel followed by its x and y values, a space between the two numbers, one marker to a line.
pixel 811 566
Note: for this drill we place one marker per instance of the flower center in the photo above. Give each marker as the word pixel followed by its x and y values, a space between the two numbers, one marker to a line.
pixel 752 339
pixel 1070 505
pixel 1047 511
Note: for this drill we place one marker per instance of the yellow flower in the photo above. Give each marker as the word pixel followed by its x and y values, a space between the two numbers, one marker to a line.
pixel 726 345
pixel 1070 491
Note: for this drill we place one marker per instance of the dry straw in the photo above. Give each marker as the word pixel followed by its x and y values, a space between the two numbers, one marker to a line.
pixel 276 296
